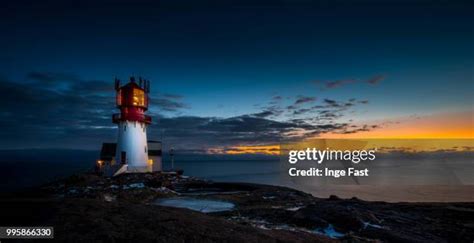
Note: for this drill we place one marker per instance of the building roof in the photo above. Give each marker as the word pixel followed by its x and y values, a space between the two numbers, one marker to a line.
pixel 130 85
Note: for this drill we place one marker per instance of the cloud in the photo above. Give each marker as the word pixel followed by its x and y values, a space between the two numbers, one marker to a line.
pixel 165 104
pixel 59 110
pixel 208 132
pixel 211 132
pixel 342 104
pixel 338 83
pixel 51 109
pixel 331 102
pixel 272 110
pixel 264 114
pixel 329 109
pixel 173 96
pixel 300 100
pixel 336 104
pixel 357 129
pixel 51 77
pixel 329 115
pixel 267 113
pixel 301 111
pixel 66 82
pixel 376 79
pixel 343 82
pixel 304 99
pixel 38 117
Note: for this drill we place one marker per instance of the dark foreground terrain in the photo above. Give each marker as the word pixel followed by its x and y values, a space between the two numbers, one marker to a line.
pixel 89 208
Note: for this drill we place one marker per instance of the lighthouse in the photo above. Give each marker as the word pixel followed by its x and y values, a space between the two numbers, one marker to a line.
pixel 131 151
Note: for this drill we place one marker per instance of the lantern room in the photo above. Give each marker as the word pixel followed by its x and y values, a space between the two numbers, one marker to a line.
pixel 132 100
pixel 132 94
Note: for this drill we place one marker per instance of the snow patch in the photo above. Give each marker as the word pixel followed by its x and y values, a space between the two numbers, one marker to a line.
pixel 200 205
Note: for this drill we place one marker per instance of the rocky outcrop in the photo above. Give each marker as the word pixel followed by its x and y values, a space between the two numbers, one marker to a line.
pixel 91 208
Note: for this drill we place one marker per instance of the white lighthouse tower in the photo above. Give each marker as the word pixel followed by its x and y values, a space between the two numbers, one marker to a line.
pixel 132 148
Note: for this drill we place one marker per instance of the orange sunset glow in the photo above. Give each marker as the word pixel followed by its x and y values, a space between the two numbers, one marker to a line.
pixel 255 149
pixel 444 125
pixel 454 128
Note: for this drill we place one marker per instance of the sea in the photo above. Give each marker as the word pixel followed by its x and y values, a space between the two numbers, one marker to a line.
pixel 433 179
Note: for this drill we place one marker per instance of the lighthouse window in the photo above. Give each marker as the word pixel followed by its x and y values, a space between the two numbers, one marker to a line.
pixel 145 149
pixel 138 97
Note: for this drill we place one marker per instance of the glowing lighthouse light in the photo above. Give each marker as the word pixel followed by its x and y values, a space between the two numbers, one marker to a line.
pixel 132 148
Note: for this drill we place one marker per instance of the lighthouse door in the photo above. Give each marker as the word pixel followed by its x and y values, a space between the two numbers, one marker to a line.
pixel 123 157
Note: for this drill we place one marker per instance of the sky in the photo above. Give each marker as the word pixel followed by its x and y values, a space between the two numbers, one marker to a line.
pixel 227 74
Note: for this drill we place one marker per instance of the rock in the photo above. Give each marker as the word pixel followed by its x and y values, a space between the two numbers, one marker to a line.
pixel 117 209
pixel 109 198
pixel 134 186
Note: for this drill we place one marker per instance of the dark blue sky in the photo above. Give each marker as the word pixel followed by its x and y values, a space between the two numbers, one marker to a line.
pixel 227 61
